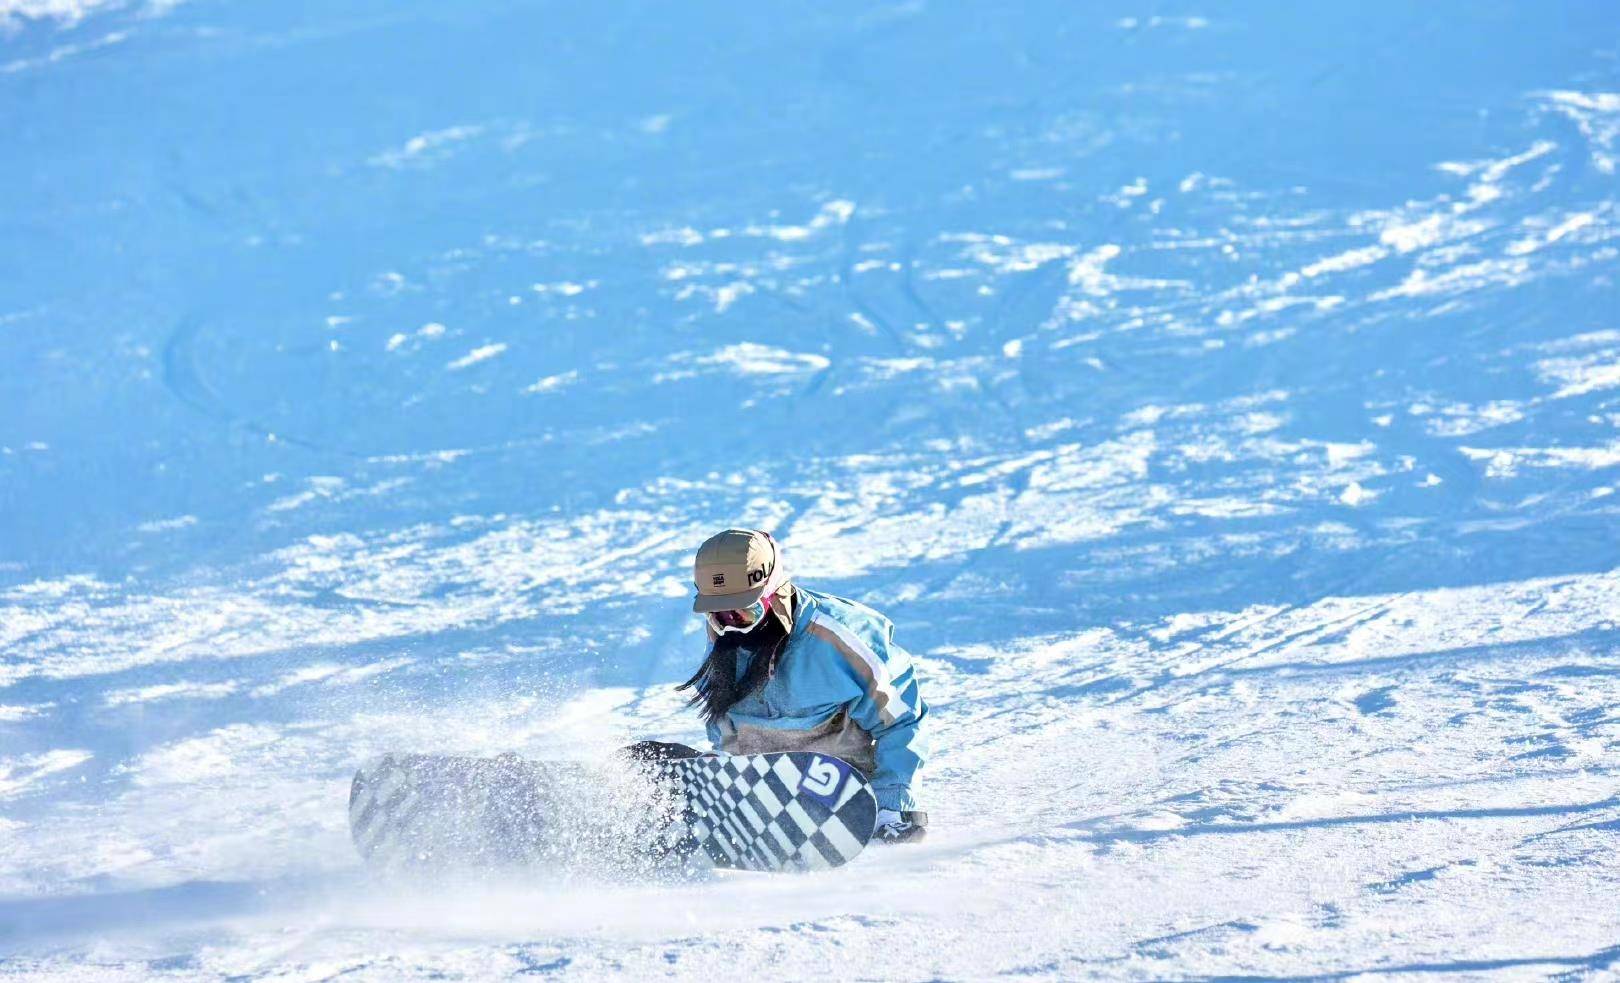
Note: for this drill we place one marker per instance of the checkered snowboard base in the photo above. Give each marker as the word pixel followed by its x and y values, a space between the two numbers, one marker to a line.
pixel 790 811
pixel 768 812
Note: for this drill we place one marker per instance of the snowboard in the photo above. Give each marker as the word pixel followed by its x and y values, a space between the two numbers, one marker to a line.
pixel 762 812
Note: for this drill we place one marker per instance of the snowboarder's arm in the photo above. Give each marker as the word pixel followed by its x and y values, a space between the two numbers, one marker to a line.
pixel 895 726
pixel 890 708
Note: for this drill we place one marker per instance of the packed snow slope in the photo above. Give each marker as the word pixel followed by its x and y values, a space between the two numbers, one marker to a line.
pixel 1223 399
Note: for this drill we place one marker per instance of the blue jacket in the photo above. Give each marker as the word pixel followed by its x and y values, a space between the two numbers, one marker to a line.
pixel 841 687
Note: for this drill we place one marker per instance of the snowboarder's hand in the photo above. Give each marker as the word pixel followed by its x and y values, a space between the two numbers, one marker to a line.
pixel 900 827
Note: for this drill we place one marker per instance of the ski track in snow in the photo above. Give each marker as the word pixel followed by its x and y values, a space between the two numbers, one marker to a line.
pixel 1229 421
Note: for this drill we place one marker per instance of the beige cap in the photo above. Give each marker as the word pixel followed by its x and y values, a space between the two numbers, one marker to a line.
pixel 735 568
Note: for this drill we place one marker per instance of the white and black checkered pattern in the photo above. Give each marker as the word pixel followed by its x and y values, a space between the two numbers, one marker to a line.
pixel 754 812
pixel 769 812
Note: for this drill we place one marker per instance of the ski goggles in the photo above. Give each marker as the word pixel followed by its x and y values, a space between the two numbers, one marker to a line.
pixel 741 620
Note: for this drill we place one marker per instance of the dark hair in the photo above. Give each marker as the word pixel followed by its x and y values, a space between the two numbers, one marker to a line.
pixel 715 686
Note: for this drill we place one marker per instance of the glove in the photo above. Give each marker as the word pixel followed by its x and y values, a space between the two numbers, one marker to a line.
pixel 894 826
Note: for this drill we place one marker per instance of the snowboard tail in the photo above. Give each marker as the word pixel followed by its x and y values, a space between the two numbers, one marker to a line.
pixel 766 812
pixel 424 811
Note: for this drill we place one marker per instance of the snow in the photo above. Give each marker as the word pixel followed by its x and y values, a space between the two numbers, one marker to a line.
pixel 482 353
pixel 1223 404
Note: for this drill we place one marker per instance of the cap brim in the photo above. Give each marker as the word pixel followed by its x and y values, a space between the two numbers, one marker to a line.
pixel 704 603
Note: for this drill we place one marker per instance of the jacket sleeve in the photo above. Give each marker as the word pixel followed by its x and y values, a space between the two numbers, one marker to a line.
pixel 892 710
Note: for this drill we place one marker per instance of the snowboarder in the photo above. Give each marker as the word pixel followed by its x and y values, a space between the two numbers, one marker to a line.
pixel 792 669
